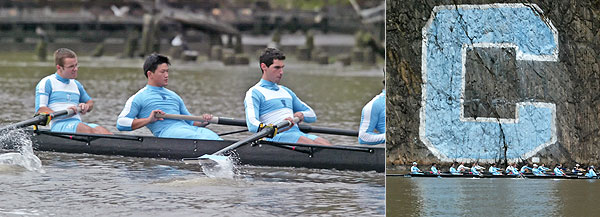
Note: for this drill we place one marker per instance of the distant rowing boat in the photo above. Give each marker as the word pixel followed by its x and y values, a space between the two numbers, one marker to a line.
pixel 358 158
pixel 488 175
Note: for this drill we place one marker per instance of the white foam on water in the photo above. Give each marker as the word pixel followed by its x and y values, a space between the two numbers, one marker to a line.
pixel 17 151
pixel 222 168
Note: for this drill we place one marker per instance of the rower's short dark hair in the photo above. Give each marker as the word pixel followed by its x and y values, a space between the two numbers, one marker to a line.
pixel 61 54
pixel 269 55
pixel 153 61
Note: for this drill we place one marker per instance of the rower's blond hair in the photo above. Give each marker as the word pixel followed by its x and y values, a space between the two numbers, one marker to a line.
pixel 61 53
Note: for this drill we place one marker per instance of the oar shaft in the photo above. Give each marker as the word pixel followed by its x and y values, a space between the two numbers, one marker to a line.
pixel 214 120
pixel 242 123
pixel 40 119
pixel 263 133
pixel 313 129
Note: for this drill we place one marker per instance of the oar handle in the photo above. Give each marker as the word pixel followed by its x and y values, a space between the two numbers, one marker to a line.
pixel 214 120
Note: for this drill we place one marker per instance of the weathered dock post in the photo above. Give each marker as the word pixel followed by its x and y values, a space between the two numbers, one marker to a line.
pixel 304 52
pixel 150 39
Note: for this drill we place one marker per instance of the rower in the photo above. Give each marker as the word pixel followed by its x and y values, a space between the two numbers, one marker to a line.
pixel 372 121
pixel 537 171
pixel 512 170
pixel 494 170
pixel 434 170
pixel 414 169
pixel 526 168
pixel 462 168
pixel 61 91
pixel 577 169
pixel 141 108
pixel 453 170
pixel 558 170
pixel 591 173
pixel 543 168
pixel 268 103
pixel 475 169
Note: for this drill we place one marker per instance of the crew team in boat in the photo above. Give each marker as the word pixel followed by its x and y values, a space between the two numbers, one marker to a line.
pixel 60 91
pixel 510 170
pixel 266 104
pixel 140 109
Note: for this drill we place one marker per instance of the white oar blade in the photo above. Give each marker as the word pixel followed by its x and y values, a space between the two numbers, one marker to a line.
pixel 211 157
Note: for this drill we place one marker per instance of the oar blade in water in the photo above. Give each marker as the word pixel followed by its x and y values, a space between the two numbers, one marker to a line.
pixel 207 159
pixel 211 159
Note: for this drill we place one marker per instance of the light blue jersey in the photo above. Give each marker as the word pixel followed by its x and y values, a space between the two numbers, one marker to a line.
pixel 591 173
pixel 474 171
pixel 415 170
pixel 270 103
pixel 454 171
pixel 152 98
pixel 558 172
pixel 373 119
pixel 537 172
pixel 434 170
pixel 494 171
pixel 59 93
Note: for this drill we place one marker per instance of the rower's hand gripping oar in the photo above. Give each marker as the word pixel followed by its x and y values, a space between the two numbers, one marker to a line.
pixel 264 131
pixel 40 119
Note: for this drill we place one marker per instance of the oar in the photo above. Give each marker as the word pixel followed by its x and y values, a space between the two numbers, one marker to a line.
pixel 218 156
pixel 242 123
pixel 38 120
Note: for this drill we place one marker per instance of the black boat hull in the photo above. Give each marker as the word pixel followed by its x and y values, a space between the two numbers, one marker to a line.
pixel 364 158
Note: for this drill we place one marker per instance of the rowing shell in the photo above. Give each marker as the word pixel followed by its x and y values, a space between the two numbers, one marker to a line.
pixel 358 158
pixel 487 175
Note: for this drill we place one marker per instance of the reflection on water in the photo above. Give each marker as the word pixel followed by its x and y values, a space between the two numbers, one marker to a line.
pixel 76 184
pixel 490 197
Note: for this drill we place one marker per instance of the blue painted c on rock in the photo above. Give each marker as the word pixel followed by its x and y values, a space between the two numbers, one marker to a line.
pixel 448 34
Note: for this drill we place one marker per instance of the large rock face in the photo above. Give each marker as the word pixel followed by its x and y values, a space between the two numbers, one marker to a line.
pixel 483 81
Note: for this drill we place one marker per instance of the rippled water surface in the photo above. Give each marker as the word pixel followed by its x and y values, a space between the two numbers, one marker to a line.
pixel 91 185
pixel 491 197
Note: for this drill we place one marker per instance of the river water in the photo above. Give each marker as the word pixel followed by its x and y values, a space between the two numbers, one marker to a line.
pixel 91 185
pixel 491 197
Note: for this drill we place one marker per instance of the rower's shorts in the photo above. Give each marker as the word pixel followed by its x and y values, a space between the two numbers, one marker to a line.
pixel 189 132
pixel 291 136
pixel 69 125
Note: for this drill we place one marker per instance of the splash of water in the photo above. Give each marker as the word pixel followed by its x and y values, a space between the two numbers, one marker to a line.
pixel 221 168
pixel 17 151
